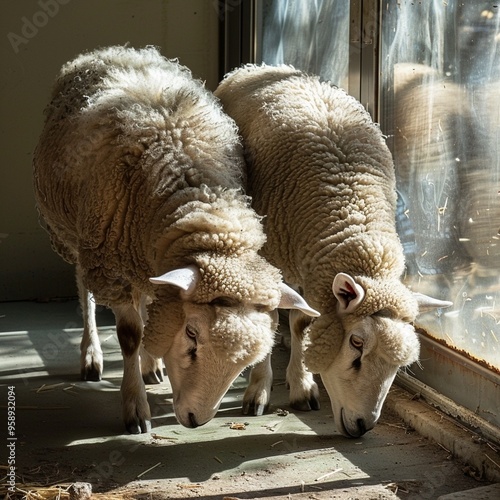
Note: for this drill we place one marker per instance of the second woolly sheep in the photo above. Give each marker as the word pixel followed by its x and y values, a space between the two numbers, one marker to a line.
pixel 320 171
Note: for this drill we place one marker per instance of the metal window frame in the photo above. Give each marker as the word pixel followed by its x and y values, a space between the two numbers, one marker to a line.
pixel 240 32
pixel 364 49
pixel 441 370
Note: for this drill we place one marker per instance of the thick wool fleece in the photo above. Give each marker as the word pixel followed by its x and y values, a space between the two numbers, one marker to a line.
pixel 321 172
pixel 125 130
pixel 127 177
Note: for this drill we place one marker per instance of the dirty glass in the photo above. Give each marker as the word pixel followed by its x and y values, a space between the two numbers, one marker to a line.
pixel 313 35
pixel 440 80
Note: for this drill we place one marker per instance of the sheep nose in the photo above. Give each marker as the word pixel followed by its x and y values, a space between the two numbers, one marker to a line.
pixel 361 427
pixel 358 430
pixel 192 420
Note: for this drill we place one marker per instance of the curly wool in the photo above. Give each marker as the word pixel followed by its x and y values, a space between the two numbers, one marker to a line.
pixel 253 336
pixel 398 347
pixel 320 346
pixel 192 216
pixel 348 166
pixel 387 294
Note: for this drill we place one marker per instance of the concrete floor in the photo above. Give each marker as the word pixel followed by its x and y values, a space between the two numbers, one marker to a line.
pixel 69 431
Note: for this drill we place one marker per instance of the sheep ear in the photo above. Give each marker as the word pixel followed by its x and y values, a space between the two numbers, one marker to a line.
pixel 347 292
pixel 185 278
pixel 426 303
pixel 290 299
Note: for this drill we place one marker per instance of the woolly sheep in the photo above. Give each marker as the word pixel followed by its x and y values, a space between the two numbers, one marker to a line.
pixel 431 164
pixel 138 176
pixel 453 209
pixel 320 171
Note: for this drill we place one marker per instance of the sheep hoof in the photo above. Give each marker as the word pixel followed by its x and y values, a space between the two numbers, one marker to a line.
pixel 255 409
pixel 91 374
pixel 314 403
pixel 138 427
pixel 260 410
pixel 153 377
pixel 306 404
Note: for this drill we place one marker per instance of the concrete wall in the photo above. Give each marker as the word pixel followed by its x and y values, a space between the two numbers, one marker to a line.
pixel 37 37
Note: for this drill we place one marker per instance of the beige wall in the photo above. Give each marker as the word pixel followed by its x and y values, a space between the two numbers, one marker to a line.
pixel 38 36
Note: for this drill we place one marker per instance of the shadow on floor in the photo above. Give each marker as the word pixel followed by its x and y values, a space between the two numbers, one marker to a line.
pixel 70 431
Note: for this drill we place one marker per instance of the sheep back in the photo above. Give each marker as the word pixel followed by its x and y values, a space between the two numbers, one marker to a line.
pixel 126 130
pixel 323 140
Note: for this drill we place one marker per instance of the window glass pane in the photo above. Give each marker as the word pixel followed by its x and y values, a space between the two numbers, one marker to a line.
pixel 312 35
pixel 441 111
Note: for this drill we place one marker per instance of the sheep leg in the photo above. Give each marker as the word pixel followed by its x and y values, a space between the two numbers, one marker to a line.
pixel 91 358
pixel 258 393
pixel 151 367
pixel 136 412
pixel 304 392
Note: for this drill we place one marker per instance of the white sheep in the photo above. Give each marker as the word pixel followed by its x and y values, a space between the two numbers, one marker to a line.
pixel 431 164
pixel 138 176
pixel 319 169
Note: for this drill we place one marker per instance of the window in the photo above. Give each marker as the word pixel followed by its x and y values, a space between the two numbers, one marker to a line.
pixel 441 87
pixel 314 35
pixel 429 73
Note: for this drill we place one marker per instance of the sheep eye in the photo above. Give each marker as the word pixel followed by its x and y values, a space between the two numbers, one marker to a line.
pixel 357 342
pixel 191 332
pixel 384 313
pixel 224 302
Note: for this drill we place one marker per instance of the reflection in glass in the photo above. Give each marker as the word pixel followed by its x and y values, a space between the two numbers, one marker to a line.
pixel 441 111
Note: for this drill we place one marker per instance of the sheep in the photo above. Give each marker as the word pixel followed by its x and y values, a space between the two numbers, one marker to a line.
pixel 480 184
pixel 321 173
pixel 138 175
pixel 430 164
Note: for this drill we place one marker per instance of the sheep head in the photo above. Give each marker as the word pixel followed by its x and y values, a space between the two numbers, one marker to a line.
pixel 359 346
pixel 215 319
